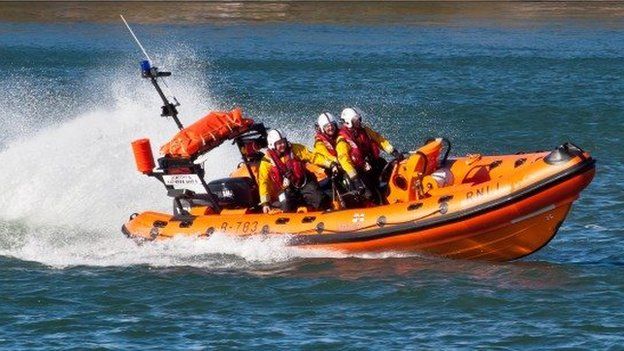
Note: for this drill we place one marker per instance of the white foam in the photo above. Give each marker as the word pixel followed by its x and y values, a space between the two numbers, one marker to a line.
pixel 82 172
pixel 66 247
pixel 66 189
pixel 62 249
pixel 74 182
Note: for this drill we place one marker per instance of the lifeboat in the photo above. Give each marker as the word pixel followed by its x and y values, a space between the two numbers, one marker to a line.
pixel 476 207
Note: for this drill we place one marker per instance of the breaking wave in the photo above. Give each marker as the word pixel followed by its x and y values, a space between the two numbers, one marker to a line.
pixel 68 186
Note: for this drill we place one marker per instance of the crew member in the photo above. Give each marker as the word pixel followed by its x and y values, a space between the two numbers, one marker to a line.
pixel 252 155
pixel 283 179
pixel 326 134
pixel 251 151
pixel 357 149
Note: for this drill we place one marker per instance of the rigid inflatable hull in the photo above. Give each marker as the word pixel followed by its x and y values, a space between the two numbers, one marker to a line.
pixel 504 227
pixel 510 232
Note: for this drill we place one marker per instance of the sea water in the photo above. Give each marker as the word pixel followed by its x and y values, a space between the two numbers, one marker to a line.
pixel 72 100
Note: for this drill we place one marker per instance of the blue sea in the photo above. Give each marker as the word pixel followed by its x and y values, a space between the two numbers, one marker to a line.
pixel 509 79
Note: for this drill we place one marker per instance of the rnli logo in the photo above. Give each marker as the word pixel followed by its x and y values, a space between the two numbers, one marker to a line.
pixel 358 218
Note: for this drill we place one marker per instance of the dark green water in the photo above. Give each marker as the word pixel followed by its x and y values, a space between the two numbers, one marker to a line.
pixel 73 100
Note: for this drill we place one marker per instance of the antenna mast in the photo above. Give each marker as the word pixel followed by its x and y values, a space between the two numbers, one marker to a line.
pixel 148 71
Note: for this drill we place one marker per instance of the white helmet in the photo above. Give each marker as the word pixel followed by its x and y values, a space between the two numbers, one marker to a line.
pixel 324 119
pixel 273 136
pixel 349 115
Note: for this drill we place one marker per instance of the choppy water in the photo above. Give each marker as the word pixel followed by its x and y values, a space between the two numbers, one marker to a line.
pixel 72 101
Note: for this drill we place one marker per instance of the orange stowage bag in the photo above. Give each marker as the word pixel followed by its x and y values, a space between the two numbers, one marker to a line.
pixel 207 133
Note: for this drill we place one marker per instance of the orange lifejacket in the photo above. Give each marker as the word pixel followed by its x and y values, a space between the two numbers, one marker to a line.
pixel 293 169
pixel 329 143
pixel 362 146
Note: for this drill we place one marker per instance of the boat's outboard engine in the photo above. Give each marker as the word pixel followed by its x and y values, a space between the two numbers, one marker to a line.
pixel 233 193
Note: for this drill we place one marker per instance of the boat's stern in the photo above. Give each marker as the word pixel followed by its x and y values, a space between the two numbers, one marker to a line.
pixel 146 226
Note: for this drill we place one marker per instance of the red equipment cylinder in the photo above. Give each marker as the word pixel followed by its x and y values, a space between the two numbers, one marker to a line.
pixel 143 155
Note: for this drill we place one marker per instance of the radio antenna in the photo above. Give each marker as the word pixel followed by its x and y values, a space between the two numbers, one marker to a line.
pixel 135 38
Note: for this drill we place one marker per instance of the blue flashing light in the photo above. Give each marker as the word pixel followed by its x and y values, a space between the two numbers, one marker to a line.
pixel 145 66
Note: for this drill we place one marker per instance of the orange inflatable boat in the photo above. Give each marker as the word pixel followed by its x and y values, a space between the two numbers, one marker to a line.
pixel 482 207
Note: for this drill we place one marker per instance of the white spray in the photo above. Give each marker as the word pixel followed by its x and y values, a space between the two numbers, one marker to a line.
pixel 66 189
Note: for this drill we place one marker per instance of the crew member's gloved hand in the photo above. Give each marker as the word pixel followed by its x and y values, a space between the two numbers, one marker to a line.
pixel 335 169
pixel 285 183
pixel 361 189
pixel 266 208
pixel 397 155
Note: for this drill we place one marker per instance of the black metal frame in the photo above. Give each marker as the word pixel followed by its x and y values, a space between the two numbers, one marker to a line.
pixel 171 166
pixel 256 132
